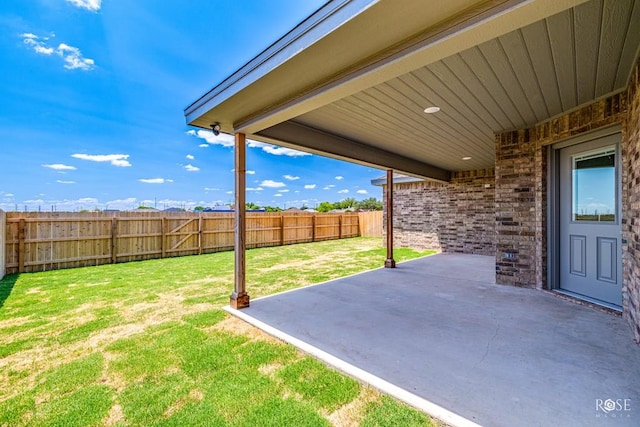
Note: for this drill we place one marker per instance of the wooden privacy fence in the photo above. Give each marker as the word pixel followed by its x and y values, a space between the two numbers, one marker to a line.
pixel 50 241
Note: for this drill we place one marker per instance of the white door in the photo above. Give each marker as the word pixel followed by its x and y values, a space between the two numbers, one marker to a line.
pixel 590 224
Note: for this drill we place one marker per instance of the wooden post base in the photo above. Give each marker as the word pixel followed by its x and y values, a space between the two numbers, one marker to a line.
pixel 389 263
pixel 239 301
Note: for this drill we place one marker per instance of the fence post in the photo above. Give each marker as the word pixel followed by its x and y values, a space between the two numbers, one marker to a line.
pixel 281 229
pixel 114 237
pixel 200 234
pixel 163 238
pixel 313 227
pixel 3 244
pixel 22 225
pixel 340 227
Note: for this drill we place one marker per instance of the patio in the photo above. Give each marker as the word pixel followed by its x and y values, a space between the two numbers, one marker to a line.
pixel 438 333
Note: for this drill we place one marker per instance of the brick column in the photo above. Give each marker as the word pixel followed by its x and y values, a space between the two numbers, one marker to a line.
pixel 515 194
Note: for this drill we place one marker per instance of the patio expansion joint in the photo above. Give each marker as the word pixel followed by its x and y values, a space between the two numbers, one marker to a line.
pixel 448 417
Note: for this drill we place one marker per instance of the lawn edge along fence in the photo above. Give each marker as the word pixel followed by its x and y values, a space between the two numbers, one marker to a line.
pixel 40 241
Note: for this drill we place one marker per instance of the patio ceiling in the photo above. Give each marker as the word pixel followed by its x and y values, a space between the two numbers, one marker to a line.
pixel 361 88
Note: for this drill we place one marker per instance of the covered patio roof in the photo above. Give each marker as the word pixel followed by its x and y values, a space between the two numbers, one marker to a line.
pixel 352 80
pixel 438 333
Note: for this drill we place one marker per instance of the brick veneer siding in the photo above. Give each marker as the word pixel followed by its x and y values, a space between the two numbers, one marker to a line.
pixel 631 207
pixel 521 193
pixel 458 216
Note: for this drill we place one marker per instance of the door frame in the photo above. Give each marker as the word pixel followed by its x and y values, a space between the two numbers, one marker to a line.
pixel 553 202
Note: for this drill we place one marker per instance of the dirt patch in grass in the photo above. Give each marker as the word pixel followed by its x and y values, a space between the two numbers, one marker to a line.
pixel 352 414
pixel 115 416
pixel 235 326
pixel 270 369
pixel 13 322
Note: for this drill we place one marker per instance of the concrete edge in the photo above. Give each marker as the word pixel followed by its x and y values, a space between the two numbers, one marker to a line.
pixel 432 409
pixel 338 278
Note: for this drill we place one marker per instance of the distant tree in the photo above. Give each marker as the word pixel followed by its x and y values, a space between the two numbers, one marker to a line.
pixel 252 206
pixel 272 209
pixel 198 209
pixel 144 207
pixel 304 207
pixel 370 204
pixel 348 203
pixel 325 207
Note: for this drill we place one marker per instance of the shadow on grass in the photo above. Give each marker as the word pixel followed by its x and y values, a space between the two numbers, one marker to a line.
pixel 6 286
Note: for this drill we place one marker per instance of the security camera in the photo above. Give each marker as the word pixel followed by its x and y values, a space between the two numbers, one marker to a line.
pixel 215 128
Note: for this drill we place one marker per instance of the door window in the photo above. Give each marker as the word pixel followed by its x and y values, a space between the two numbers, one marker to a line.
pixel 594 186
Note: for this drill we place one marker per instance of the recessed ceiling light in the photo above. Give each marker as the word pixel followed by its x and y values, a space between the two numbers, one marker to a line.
pixel 431 110
pixel 466 158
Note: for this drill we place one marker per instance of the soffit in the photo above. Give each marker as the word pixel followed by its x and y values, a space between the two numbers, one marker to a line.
pixel 324 45
pixel 513 81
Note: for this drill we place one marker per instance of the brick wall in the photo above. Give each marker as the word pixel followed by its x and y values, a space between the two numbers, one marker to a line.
pixel 521 188
pixel 631 206
pixel 458 216
pixel 521 193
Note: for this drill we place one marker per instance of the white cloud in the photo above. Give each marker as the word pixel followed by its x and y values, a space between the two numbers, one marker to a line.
pixel 277 195
pixel 309 186
pixel 71 55
pixel 203 145
pixel 343 191
pixel 328 187
pixel 254 188
pixel 155 180
pixel 283 151
pixel 65 182
pixel 229 192
pixel 283 191
pixel 37 45
pixel 339 177
pixel 250 172
pixel 290 177
pixel 223 139
pixel 73 58
pixel 211 189
pixel 362 192
pixel 190 156
pixel 227 140
pixel 192 168
pixel 91 5
pixel 272 184
pixel 60 167
pixel 114 159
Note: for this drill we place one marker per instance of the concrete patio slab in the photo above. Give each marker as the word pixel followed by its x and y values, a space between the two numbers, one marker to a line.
pixel 448 339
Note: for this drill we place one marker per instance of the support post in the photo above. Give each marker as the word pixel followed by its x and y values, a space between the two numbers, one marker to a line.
pixel 200 233
pixel 281 229
pixel 22 226
pixel 163 237
pixel 389 262
pixel 239 298
pixel 114 240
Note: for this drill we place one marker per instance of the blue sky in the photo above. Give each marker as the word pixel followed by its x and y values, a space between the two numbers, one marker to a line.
pixel 92 98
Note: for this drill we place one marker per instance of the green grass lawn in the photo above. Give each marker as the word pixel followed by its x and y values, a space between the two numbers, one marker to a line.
pixel 147 343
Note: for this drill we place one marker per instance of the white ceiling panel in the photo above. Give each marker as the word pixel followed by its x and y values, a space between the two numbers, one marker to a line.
pixel 511 82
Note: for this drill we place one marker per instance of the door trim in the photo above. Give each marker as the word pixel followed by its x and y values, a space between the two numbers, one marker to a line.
pixel 553 202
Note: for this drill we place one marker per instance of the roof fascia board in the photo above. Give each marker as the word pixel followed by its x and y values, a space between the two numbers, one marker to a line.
pixel 296 135
pixel 324 21
pixel 492 23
